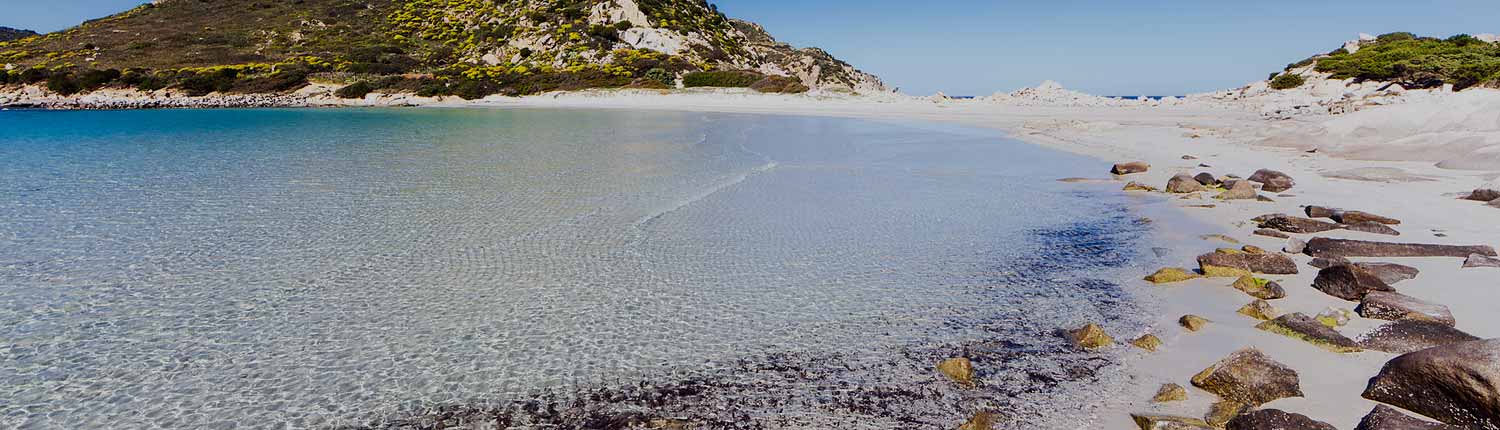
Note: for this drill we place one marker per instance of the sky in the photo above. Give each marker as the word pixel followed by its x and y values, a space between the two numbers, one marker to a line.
pixel 973 47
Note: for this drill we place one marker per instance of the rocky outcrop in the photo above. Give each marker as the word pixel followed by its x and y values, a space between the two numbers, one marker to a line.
pixel 1355 217
pixel 1273 181
pixel 1392 306
pixel 1326 247
pixel 1405 336
pixel 1222 411
pixel 1390 273
pixel 1387 418
pixel 1275 419
pixel 1207 179
pixel 1249 377
pixel 1307 329
pixel 1272 264
pixel 8 34
pixel 815 67
pixel 1457 384
pixel 1348 282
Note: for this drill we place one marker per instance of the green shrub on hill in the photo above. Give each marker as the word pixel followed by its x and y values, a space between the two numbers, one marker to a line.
pixel 780 84
pixel 356 90
pixel 1419 62
pixel 63 83
pixel 1287 81
pixel 721 79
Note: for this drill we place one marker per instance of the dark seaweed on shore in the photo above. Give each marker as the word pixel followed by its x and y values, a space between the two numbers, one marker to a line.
pixel 1023 370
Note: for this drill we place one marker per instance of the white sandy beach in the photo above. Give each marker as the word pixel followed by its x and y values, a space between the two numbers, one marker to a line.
pixel 1389 160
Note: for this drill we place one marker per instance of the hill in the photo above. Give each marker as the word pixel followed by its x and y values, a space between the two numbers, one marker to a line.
pixel 1413 62
pixel 469 48
pixel 8 34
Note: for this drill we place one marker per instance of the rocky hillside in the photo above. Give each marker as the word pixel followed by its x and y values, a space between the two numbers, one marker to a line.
pixel 9 34
pixel 462 47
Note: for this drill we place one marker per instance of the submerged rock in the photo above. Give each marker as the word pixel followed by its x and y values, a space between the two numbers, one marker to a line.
pixel 982 420
pixel 960 370
pixel 1392 306
pixel 1299 225
pixel 1183 184
pixel 1275 419
pixel 1456 384
pixel 1348 282
pixel 1405 336
pixel 1326 247
pixel 1335 317
pixel 1273 181
pixel 1193 322
pixel 1130 168
pixel 1170 275
pixel 1372 227
pixel 1387 418
pixel 1137 186
pixel 1207 179
pixel 1320 211
pixel 1253 263
pixel 1476 260
pixel 1302 327
pixel 1249 377
pixel 1220 237
pixel 1164 422
pixel 1090 337
pixel 1260 288
pixel 1170 393
pixel 1272 233
pixel 1260 310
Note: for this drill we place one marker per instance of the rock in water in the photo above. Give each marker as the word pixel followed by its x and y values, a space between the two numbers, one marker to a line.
pixel 1147 342
pixel 1130 168
pixel 1163 422
pixel 1170 393
pixel 1260 288
pixel 1137 186
pixel 1170 275
pixel 1372 227
pixel 982 420
pixel 1183 184
pixel 1392 306
pixel 1274 419
pixel 1320 211
pixel 1302 327
pixel 1294 246
pixel 1291 224
pixel 1271 233
pixel 1390 273
pixel 1222 411
pixel 1260 310
pixel 1356 217
pixel 1484 195
pixel 1388 418
pixel 960 370
pixel 1193 322
pixel 1348 282
pixel 1207 179
pixel 1405 336
pixel 1273 181
pixel 1249 377
pixel 1272 264
pixel 1090 337
pixel 1335 317
pixel 1457 384
pixel 1326 247
pixel 1237 190
pixel 1476 260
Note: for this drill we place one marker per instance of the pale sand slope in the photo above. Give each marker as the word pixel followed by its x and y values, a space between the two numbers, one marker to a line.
pixel 1233 141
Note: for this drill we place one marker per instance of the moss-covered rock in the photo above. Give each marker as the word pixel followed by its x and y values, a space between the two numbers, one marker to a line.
pixel 1171 275
pixel 1165 422
pixel 1089 337
pixel 960 370
pixel 1249 377
pixel 1259 288
pixel 1170 393
pixel 1260 310
pixel 1302 327
pixel 1147 342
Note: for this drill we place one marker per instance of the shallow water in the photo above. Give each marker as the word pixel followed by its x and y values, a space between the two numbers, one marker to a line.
pixel 305 268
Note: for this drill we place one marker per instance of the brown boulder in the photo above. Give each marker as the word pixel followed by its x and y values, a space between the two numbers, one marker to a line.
pixel 1237 190
pixel 1320 211
pixel 1326 262
pixel 1147 342
pixel 1260 310
pixel 1222 411
pixel 1207 179
pixel 960 370
pixel 1393 306
pixel 1273 181
pixel 1090 337
pixel 1260 288
pixel 1272 264
pixel 1355 217
pixel 1170 393
pixel 1130 168
pixel 1271 233
pixel 1307 329
pixel 1183 184
pixel 1484 195
pixel 1372 227
pixel 1163 422
pixel 1391 273
pixel 1137 186
pixel 1248 376
pixel 1476 260
pixel 1193 322
pixel 1274 419
pixel 1291 224
pixel 1326 247
pixel 1405 336
pixel 1348 282
pixel 1388 418
pixel 1457 384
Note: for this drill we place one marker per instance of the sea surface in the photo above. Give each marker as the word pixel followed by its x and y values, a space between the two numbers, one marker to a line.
pixel 541 268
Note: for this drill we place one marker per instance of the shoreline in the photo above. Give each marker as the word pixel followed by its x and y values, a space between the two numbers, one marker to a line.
pixel 1421 194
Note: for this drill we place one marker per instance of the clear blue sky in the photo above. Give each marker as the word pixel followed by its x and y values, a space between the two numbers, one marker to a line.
pixel 975 47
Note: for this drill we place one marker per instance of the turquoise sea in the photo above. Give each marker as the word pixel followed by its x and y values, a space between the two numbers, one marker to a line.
pixel 538 268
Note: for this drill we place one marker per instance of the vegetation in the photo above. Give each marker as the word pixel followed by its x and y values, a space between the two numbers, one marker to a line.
pixel 1418 62
pixel 779 84
pixel 7 34
pixel 722 79
pixel 1287 81
pixel 356 90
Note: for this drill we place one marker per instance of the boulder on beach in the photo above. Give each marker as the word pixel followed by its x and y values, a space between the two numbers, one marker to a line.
pixel 1130 168
pixel 1299 225
pixel 1147 342
pixel 1089 337
pixel 982 420
pixel 1457 384
pixel 1348 282
pixel 1193 322
pixel 1400 337
pixel 1294 246
pixel 1476 260
pixel 1392 306
pixel 1271 233
pixel 1207 179
pixel 1249 377
pixel 1320 211
pixel 1170 393
pixel 1273 181
pixel 1271 264
pixel 1260 310
pixel 1328 247
pixel 1388 418
pixel 1302 327
pixel 1484 195
pixel 1165 422
pixel 1391 273
pixel 1260 288
pixel 1237 190
pixel 1335 317
pixel 1355 217
pixel 1222 411
pixel 1275 419
pixel 1182 183
pixel 1137 186
pixel 1170 275
pixel 960 370
pixel 1371 227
